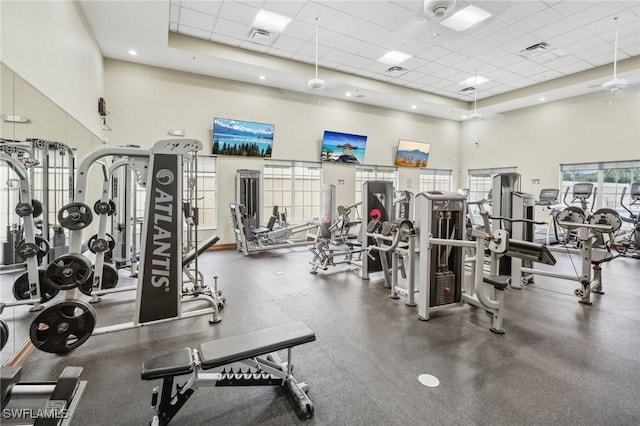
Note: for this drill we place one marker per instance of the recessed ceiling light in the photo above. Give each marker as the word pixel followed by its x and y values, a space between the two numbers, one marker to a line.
pixel 542 99
pixel 393 57
pixel 465 18
pixel 464 117
pixel 270 21
pixel 474 81
pixel 262 77
pixel 347 94
pixel 413 107
pixel 133 52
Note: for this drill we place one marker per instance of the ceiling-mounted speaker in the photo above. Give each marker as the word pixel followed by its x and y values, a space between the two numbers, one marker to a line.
pixel 439 8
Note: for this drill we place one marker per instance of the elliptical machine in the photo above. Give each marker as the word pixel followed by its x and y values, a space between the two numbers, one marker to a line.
pixel 628 243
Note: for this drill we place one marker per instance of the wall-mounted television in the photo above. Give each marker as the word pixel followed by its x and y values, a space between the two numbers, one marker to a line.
pixel 412 154
pixel 343 147
pixel 245 138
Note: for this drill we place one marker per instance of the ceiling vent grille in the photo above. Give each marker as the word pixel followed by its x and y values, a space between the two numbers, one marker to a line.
pixel 535 49
pixel 263 37
pixel 396 71
pixel 468 89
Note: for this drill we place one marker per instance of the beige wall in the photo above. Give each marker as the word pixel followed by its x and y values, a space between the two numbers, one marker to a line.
pixel 49 44
pixel 145 102
pixel 589 128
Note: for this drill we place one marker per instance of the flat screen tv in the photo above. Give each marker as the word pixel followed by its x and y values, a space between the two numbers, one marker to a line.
pixel 412 154
pixel 245 138
pixel 343 148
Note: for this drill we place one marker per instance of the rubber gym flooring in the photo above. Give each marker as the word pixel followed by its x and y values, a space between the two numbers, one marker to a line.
pixel 559 363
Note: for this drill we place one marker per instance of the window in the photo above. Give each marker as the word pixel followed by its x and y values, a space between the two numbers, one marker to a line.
pixel 366 173
pixel 608 178
pixel 435 180
pixel 295 187
pixel 481 181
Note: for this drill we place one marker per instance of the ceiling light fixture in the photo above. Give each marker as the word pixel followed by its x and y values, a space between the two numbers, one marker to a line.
pixel 465 18
pixel 132 52
pixel 542 99
pixel 262 77
pixel 393 57
pixel 347 94
pixel 413 107
pixel 474 81
pixel 270 21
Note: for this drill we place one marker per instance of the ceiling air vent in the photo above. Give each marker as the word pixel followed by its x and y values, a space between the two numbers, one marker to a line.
pixel 263 37
pixel 534 50
pixel 468 89
pixel 395 71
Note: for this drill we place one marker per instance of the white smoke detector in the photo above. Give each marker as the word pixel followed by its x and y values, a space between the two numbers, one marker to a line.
pixel 439 8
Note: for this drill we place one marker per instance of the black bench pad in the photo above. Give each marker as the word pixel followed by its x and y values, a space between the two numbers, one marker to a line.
pixel 173 364
pixel 216 353
pixel 499 282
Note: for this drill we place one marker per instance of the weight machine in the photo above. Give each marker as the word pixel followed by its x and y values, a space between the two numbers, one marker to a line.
pixel 587 229
pixel 441 220
pixel 64 326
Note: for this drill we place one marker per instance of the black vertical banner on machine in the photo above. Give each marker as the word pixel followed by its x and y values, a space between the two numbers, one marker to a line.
pixel 161 267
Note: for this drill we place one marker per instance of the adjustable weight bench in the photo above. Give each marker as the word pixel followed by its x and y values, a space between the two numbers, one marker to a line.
pixel 256 349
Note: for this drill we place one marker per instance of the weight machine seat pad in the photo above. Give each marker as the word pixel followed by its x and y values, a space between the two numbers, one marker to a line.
pixel 529 250
pixel 216 353
pixel 600 256
pixel 499 282
pixel 172 364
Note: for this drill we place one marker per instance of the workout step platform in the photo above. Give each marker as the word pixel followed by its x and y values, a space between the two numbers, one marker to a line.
pixel 222 352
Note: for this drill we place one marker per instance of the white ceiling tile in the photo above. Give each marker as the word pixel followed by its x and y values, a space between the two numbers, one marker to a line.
pixel 499 37
pixel 519 11
pixel 359 62
pixel 572 68
pixel 312 10
pixel 330 38
pixel 194 32
pixel 310 50
pixel 490 27
pixel 569 7
pixel 197 20
pixel 507 61
pixel 291 44
pixel 490 55
pixel 430 68
pixel 352 45
pixel 301 30
pixel 432 53
pixel 569 38
pixel 173 27
pixel 532 69
pixel 363 9
pixel 450 59
pixel 373 52
pixel 243 13
pixel 232 29
pixel 253 46
pixel 285 8
pixel 543 18
pixel 344 23
pixel 478 47
pixel 596 11
pixel 370 32
pixel 547 75
pixel 496 74
pixel 460 42
pixel 334 55
pixel 392 16
pixel 412 76
pixel 560 62
pixel 601 59
pixel 208 7
pixel 395 41
pixel 555 29
pixel 518 44
pixel 280 52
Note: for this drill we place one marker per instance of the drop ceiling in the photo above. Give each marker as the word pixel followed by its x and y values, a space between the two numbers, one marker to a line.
pixel 528 50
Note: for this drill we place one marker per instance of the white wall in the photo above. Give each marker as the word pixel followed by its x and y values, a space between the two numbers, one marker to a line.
pixel 146 101
pixel 50 46
pixel 589 128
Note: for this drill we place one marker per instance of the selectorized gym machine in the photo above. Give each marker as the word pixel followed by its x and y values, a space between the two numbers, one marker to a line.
pixel 628 243
pixel 441 281
pixel 251 237
pixel 64 326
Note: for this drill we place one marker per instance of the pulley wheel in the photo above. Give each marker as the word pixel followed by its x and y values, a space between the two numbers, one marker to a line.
pixel 22 291
pixel 68 271
pixel 62 327
pixel 75 216
pixel 109 279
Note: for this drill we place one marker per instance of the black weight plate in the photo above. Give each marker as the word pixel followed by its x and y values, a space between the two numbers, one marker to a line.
pixel 102 207
pixel 62 327
pixel 37 207
pixel 112 205
pixel 111 242
pixel 41 246
pixel 23 209
pixel 27 250
pixel 21 288
pixel 4 333
pixel 68 271
pixel 75 216
pixel 109 279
